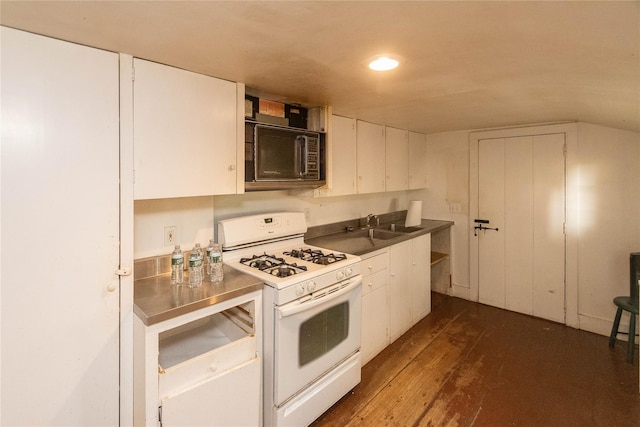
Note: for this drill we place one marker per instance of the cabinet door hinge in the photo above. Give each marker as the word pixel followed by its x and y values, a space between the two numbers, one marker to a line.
pixel 160 416
pixel 133 74
pixel 564 149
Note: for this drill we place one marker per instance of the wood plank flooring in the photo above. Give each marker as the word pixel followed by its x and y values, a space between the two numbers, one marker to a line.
pixel 468 364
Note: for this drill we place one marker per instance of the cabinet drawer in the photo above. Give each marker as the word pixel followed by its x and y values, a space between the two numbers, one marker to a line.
pixel 230 399
pixel 374 281
pixel 375 263
pixel 200 350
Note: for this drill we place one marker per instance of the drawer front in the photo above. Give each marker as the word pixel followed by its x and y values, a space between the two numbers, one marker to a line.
pixel 210 364
pixel 375 263
pixel 374 281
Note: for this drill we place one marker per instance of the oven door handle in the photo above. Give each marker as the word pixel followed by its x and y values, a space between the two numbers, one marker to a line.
pixel 326 295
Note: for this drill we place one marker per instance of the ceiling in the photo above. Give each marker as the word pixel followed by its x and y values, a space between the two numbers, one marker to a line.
pixel 466 65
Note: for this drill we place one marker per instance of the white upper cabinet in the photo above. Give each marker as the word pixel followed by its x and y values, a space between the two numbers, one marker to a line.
pixel 417 160
pixel 397 159
pixel 370 157
pixel 186 133
pixel 341 157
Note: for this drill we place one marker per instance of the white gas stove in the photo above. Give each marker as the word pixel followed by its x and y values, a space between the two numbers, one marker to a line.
pixel 311 308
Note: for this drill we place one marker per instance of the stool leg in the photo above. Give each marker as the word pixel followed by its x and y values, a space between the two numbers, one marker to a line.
pixel 632 338
pixel 614 330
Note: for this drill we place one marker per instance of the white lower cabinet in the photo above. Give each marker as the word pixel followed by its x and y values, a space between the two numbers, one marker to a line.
pixel 188 408
pixel 399 289
pixel 200 368
pixel 396 292
pixel 375 313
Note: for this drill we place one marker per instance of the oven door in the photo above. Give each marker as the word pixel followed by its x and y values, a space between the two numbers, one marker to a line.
pixel 314 335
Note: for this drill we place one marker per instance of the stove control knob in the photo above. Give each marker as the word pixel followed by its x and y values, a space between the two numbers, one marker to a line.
pixel 300 289
pixel 311 286
pixel 340 275
pixel 348 271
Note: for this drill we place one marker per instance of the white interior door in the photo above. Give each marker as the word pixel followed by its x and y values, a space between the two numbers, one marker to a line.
pixel 60 233
pixel 521 192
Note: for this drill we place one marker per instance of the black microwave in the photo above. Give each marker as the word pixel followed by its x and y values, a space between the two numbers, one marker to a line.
pixel 279 157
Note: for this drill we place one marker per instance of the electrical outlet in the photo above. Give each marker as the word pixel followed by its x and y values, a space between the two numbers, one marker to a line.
pixel 455 208
pixel 170 235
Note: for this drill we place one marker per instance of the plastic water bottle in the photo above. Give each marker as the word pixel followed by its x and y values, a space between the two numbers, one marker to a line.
pixel 195 266
pixel 216 274
pixel 177 266
pixel 208 259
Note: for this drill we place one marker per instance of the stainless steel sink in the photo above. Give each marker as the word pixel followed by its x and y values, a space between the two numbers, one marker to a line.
pixel 375 233
pixel 401 229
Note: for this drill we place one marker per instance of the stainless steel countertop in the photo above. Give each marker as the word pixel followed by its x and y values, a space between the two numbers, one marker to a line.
pixel 156 299
pixel 343 242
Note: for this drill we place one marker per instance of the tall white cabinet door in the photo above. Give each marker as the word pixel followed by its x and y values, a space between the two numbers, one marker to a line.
pixel 397 159
pixel 371 157
pixel 185 133
pixel 60 231
pixel 420 277
pixel 399 289
pixel 417 160
pixel 342 156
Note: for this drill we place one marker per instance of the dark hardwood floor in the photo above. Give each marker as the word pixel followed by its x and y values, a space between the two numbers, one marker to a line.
pixel 468 364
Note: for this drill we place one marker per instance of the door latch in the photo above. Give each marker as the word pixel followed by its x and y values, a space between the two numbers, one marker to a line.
pixel 124 271
pixel 480 225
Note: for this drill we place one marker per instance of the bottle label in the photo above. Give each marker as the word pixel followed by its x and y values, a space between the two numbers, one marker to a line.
pixel 177 260
pixel 216 257
pixel 197 262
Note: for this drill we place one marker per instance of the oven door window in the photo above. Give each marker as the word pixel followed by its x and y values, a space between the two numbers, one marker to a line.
pixel 322 333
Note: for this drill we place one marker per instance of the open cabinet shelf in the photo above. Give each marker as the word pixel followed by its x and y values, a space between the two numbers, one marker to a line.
pixel 437 257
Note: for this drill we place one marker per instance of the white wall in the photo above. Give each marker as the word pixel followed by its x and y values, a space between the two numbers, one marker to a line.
pixel 195 216
pixel 608 197
pixel 609 220
pixel 447 197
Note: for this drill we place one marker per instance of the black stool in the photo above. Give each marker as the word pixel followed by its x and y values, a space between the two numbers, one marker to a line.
pixel 629 304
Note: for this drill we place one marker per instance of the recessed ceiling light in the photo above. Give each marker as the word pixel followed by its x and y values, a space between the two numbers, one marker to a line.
pixel 383 63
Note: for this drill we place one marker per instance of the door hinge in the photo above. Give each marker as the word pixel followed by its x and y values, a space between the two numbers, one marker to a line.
pixel 160 415
pixel 564 149
pixel 133 74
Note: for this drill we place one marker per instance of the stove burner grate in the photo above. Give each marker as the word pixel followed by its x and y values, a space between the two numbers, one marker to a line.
pixel 273 265
pixel 315 256
pixel 262 262
pixel 286 270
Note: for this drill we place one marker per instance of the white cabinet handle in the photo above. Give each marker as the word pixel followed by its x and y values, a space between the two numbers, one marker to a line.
pixel 232 167
pixel 111 287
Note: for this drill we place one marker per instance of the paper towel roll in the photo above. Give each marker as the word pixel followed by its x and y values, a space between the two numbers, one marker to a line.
pixel 414 214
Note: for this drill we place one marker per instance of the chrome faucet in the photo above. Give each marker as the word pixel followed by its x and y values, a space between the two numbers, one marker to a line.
pixel 371 217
